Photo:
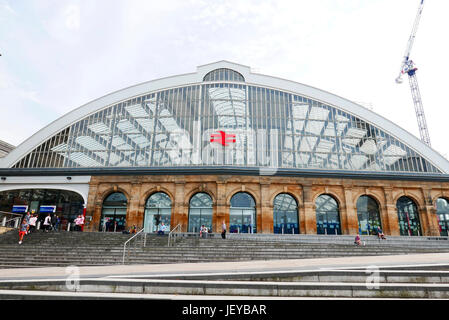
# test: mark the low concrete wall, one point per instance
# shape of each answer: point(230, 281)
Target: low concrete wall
point(5, 229)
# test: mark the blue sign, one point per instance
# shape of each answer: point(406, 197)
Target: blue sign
point(47, 209)
point(19, 208)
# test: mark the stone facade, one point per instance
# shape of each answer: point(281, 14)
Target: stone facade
point(180, 188)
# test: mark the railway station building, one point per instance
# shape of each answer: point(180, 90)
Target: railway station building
point(263, 154)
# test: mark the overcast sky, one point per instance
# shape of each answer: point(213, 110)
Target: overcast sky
point(60, 54)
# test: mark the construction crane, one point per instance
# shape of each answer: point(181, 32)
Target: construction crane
point(408, 67)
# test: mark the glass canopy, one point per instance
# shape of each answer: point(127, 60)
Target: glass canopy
point(225, 122)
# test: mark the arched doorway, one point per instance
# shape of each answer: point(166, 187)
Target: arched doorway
point(200, 212)
point(242, 215)
point(67, 205)
point(285, 214)
point(443, 216)
point(368, 215)
point(113, 214)
point(157, 211)
point(327, 215)
point(409, 224)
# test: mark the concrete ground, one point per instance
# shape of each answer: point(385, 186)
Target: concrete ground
point(227, 267)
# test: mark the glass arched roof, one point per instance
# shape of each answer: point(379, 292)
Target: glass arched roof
point(222, 121)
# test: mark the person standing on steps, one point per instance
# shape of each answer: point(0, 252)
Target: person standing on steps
point(223, 230)
point(33, 220)
point(47, 223)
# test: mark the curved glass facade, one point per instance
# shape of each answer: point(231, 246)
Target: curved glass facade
point(218, 124)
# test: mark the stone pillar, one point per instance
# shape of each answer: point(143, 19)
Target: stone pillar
point(221, 210)
point(95, 225)
point(134, 216)
point(349, 215)
point(266, 214)
point(308, 215)
point(428, 214)
point(90, 207)
point(390, 221)
point(179, 212)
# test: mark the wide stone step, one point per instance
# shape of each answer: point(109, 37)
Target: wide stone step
point(242, 288)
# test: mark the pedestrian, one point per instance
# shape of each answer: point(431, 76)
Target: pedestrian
point(380, 234)
point(33, 220)
point(357, 240)
point(22, 230)
point(57, 223)
point(47, 223)
point(27, 219)
point(80, 223)
point(223, 230)
point(161, 229)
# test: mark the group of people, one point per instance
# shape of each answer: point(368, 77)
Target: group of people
point(204, 231)
point(50, 222)
point(380, 235)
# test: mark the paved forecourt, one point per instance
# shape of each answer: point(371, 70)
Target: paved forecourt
point(393, 261)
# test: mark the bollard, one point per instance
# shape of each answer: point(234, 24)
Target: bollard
point(4, 222)
point(68, 226)
point(16, 224)
point(282, 230)
point(335, 231)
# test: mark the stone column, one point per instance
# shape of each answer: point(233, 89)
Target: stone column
point(134, 216)
point(221, 209)
point(349, 216)
point(179, 214)
point(429, 222)
point(266, 214)
point(308, 215)
point(95, 224)
point(90, 207)
point(390, 214)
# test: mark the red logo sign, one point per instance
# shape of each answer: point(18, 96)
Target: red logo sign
point(222, 138)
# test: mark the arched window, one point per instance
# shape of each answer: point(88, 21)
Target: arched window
point(223, 74)
point(157, 211)
point(285, 214)
point(113, 215)
point(327, 215)
point(409, 224)
point(242, 216)
point(200, 212)
point(368, 215)
point(443, 216)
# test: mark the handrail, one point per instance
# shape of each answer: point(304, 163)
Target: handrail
point(170, 235)
point(126, 242)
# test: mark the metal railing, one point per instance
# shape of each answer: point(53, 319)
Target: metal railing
point(9, 219)
point(172, 235)
point(141, 233)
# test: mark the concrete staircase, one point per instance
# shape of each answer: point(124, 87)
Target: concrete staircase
point(42, 249)
point(383, 283)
